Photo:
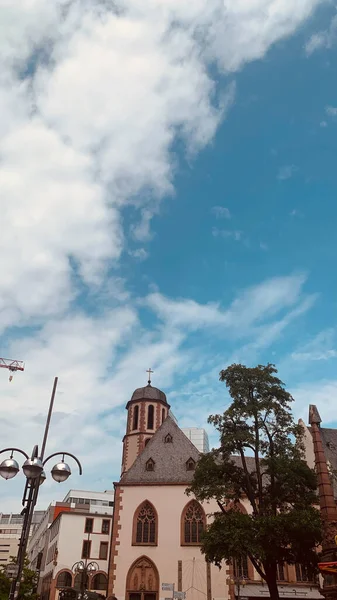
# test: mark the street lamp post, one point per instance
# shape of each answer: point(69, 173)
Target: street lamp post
point(84, 569)
point(33, 469)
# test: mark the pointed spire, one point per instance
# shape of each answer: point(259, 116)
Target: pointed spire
point(314, 416)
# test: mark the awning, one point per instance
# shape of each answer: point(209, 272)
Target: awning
point(285, 591)
point(328, 567)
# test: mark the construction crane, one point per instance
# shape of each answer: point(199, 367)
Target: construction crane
point(12, 366)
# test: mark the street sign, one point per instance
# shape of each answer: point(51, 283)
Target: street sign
point(167, 587)
point(12, 570)
point(179, 595)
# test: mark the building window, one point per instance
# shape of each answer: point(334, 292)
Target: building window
point(280, 572)
point(86, 547)
point(150, 417)
point(64, 580)
point(193, 523)
point(106, 526)
point(162, 415)
point(145, 525)
point(89, 525)
point(168, 439)
point(150, 465)
point(147, 441)
point(81, 580)
point(103, 550)
point(240, 567)
point(135, 418)
point(302, 574)
point(99, 582)
point(190, 464)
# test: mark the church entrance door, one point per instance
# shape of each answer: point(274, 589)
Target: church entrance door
point(142, 582)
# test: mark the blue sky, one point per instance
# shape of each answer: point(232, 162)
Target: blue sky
point(167, 184)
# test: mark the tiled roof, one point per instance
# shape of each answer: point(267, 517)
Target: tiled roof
point(169, 458)
point(148, 393)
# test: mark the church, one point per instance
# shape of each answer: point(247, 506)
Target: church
point(155, 547)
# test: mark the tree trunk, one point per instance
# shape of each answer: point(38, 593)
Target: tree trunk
point(272, 585)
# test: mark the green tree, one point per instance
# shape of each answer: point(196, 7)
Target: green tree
point(282, 525)
point(28, 585)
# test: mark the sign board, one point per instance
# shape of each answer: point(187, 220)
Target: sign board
point(12, 570)
point(179, 595)
point(167, 587)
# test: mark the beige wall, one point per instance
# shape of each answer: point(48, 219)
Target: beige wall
point(309, 447)
point(169, 502)
point(8, 547)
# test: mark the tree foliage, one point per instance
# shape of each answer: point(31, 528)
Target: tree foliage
point(261, 460)
point(28, 584)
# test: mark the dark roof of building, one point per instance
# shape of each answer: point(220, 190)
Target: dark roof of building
point(169, 458)
point(148, 393)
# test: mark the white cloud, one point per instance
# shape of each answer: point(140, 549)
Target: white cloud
point(322, 393)
point(321, 347)
point(227, 233)
point(92, 101)
point(286, 172)
point(253, 305)
point(325, 38)
point(331, 111)
point(323, 124)
point(140, 254)
point(221, 212)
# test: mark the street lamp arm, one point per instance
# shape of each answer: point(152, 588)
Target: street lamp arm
point(14, 450)
point(65, 454)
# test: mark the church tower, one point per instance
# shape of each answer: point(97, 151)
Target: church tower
point(147, 410)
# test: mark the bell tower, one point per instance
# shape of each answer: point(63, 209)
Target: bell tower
point(147, 410)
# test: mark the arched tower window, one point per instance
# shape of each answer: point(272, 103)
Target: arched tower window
point(145, 525)
point(150, 417)
point(135, 417)
point(162, 415)
point(193, 523)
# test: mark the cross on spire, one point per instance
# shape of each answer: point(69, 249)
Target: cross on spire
point(149, 371)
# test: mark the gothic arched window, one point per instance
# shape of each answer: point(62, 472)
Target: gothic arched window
point(240, 567)
point(150, 416)
point(162, 415)
point(145, 525)
point(135, 417)
point(193, 522)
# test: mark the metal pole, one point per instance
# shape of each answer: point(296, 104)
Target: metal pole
point(29, 509)
point(33, 486)
point(51, 405)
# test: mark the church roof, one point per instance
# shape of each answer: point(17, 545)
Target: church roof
point(170, 458)
point(148, 392)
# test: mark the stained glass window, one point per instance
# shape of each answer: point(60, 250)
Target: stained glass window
point(194, 523)
point(146, 525)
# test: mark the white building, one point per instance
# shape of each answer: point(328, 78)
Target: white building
point(10, 533)
point(198, 437)
point(73, 530)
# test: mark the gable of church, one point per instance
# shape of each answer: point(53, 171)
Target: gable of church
point(167, 458)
